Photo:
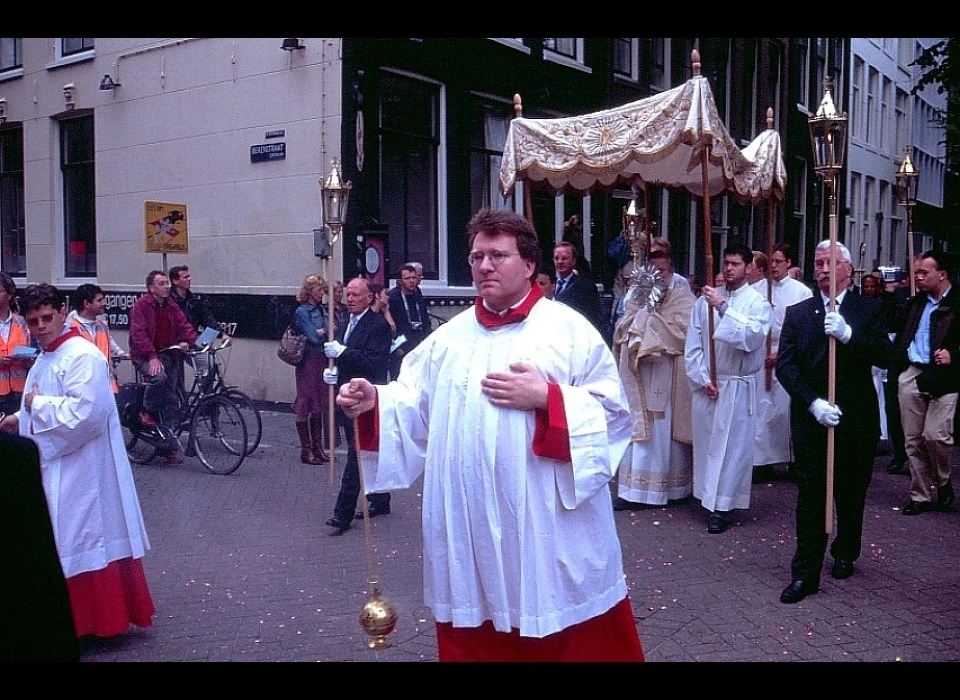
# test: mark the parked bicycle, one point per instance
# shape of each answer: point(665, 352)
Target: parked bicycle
point(215, 426)
point(210, 368)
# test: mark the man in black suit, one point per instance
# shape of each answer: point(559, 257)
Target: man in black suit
point(574, 290)
point(410, 313)
point(802, 368)
point(362, 349)
point(36, 623)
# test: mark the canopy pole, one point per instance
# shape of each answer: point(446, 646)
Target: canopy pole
point(527, 200)
point(771, 219)
point(708, 244)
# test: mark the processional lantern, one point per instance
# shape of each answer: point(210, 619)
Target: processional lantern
point(336, 195)
point(908, 183)
point(828, 136)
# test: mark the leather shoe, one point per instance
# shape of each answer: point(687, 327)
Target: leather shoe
point(797, 591)
point(718, 523)
point(842, 568)
point(918, 507)
point(945, 496)
point(896, 467)
point(621, 504)
point(374, 512)
point(339, 527)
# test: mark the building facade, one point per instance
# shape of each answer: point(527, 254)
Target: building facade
point(236, 136)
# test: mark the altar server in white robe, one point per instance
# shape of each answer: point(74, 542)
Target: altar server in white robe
point(648, 344)
point(68, 409)
point(514, 414)
point(724, 413)
point(772, 446)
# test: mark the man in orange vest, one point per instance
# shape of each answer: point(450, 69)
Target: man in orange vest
point(13, 334)
point(89, 318)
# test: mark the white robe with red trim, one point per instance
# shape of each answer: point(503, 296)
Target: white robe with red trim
point(527, 542)
point(86, 474)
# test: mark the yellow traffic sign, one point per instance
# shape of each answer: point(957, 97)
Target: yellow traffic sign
point(165, 228)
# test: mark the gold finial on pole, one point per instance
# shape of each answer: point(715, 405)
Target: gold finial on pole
point(695, 58)
point(517, 106)
point(769, 117)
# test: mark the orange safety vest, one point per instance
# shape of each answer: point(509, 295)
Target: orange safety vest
point(13, 375)
point(101, 340)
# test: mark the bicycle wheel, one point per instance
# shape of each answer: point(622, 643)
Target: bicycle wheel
point(138, 451)
point(218, 434)
point(251, 416)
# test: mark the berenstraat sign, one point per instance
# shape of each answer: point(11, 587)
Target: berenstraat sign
point(268, 151)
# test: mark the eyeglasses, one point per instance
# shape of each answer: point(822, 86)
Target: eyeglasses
point(496, 258)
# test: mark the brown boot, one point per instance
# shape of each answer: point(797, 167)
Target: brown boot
point(306, 450)
point(316, 432)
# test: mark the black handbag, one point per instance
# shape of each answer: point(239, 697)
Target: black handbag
point(293, 345)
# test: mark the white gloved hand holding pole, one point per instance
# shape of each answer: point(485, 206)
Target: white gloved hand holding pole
point(834, 324)
point(826, 413)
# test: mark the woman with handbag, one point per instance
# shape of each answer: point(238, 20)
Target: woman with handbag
point(311, 404)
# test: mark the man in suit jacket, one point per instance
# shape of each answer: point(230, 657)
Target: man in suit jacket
point(575, 290)
point(802, 368)
point(362, 349)
point(410, 313)
point(36, 623)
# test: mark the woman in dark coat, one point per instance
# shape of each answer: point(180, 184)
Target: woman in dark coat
point(312, 402)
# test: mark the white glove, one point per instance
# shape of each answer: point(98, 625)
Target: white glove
point(334, 348)
point(833, 324)
point(826, 414)
point(330, 375)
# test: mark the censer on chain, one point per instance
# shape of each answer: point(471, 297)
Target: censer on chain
point(378, 617)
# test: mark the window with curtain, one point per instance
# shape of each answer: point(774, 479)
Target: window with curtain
point(625, 59)
point(79, 197)
point(13, 248)
point(488, 138)
point(409, 135)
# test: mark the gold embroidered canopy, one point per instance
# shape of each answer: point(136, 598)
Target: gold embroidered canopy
point(658, 140)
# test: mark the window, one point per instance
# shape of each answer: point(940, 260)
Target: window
point(11, 54)
point(626, 59)
point(904, 52)
point(659, 80)
point(901, 110)
point(69, 47)
point(803, 67)
point(569, 48)
point(410, 135)
point(882, 129)
point(869, 116)
point(856, 113)
point(487, 141)
point(12, 237)
point(79, 197)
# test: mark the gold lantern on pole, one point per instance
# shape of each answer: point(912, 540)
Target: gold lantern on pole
point(908, 183)
point(828, 137)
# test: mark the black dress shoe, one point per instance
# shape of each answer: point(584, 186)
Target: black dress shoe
point(945, 496)
point(797, 591)
point(339, 527)
point(718, 522)
point(374, 512)
point(842, 568)
point(918, 507)
point(620, 504)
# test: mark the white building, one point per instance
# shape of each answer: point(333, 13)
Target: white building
point(885, 119)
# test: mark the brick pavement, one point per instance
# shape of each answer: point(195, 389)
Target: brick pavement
point(242, 570)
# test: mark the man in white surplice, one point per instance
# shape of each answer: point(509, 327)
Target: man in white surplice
point(648, 344)
point(724, 412)
point(514, 414)
point(772, 445)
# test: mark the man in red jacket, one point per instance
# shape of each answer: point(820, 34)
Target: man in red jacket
point(156, 322)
